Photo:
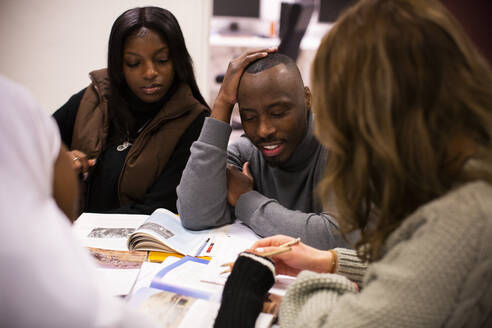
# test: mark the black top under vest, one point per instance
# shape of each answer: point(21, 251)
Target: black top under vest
point(102, 191)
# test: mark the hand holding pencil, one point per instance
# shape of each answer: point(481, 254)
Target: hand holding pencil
point(286, 247)
point(300, 257)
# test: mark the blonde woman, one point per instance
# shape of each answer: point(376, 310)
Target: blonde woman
point(404, 101)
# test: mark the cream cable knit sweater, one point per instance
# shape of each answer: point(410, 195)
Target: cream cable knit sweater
point(436, 272)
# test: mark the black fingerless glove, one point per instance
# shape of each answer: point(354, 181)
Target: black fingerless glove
point(245, 290)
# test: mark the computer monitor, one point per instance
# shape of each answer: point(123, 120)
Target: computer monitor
point(237, 8)
point(294, 20)
point(329, 10)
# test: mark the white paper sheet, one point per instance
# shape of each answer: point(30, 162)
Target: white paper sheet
point(118, 282)
point(231, 240)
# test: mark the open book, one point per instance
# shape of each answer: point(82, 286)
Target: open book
point(162, 231)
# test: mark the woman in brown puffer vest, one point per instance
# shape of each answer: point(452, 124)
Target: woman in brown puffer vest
point(129, 132)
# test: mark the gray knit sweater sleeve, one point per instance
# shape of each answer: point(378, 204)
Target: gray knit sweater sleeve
point(202, 191)
point(436, 272)
point(267, 217)
point(350, 265)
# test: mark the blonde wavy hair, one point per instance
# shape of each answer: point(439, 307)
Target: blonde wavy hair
point(396, 83)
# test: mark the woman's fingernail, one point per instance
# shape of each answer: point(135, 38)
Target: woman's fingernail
point(260, 250)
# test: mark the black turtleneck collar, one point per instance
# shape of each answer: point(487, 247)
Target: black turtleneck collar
point(304, 150)
point(143, 111)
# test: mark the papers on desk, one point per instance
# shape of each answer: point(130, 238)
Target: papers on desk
point(159, 293)
point(117, 282)
point(105, 236)
point(180, 276)
point(173, 295)
point(232, 240)
point(161, 231)
point(117, 269)
point(183, 277)
point(175, 292)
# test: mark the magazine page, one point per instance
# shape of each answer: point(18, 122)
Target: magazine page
point(234, 239)
point(105, 236)
point(117, 282)
point(117, 269)
point(176, 297)
point(230, 240)
point(106, 231)
point(173, 310)
point(172, 294)
point(179, 311)
point(148, 272)
point(183, 277)
point(165, 228)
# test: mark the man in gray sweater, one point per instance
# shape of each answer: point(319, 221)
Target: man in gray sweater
point(267, 179)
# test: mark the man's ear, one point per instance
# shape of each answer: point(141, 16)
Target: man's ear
point(307, 97)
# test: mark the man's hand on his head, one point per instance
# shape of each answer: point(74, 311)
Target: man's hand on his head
point(238, 182)
point(227, 97)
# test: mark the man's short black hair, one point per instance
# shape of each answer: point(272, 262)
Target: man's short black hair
point(270, 61)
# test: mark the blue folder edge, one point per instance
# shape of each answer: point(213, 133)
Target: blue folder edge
point(156, 283)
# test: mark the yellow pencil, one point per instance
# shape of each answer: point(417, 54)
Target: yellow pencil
point(281, 249)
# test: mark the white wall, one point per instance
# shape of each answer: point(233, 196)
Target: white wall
point(50, 46)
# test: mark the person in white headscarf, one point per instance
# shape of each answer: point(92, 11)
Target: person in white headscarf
point(46, 278)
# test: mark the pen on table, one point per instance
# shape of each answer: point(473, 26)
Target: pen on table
point(209, 249)
point(203, 246)
point(280, 249)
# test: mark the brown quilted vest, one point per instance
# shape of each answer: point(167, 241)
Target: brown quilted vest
point(150, 151)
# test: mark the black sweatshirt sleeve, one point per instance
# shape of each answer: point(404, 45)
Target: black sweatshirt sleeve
point(244, 292)
point(65, 117)
point(162, 194)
